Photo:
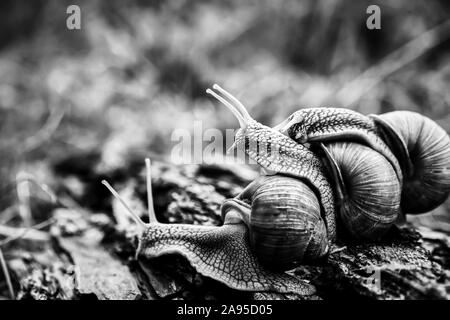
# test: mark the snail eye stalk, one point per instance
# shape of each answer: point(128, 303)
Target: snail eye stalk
point(151, 211)
point(116, 195)
point(235, 106)
point(236, 102)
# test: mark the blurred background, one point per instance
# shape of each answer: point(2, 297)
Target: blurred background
point(138, 70)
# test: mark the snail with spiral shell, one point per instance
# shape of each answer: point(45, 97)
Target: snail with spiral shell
point(335, 171)
point(423, 147)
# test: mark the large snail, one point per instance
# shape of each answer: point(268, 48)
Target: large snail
point(221, 253)
point(290, 217)
point(418, 148)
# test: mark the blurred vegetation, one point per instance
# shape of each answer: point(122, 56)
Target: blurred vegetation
point(138, 70)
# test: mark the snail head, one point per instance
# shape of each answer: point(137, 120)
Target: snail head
point(270, 148)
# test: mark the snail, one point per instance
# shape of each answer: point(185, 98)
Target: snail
point(368, 177)
point(423, 149)
point(222, 253)
point(417, 147)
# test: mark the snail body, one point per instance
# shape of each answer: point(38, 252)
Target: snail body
point(222, 253)
point(423, 148)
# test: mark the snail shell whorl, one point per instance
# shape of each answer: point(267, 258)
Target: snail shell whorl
point(427, 184)
point(286, 226)
point(371, 195)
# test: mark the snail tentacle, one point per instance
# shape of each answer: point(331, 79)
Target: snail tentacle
point(142, 225)
point(150, 207)
point(236, 113)
point(236, 102)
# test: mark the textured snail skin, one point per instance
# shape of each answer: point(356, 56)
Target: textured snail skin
point(336, 124)
point(222, 253)
point(280, 154)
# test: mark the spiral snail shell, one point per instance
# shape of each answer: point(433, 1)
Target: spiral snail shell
point(423, 148)
point(368, 187)
point(286, 227)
